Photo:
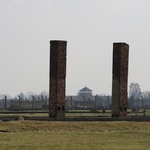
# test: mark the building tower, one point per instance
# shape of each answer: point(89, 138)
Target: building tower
point(57, 78)
point(120, 79)
point(85, 92)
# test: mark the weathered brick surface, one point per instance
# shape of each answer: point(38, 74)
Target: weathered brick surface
point(57, 78)
point(120, 78)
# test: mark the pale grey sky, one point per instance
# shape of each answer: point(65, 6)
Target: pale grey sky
point(90, 28)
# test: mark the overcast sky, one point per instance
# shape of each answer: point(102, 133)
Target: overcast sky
point(90, 28)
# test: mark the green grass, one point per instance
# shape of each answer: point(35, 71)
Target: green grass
point(75, 140)
point(43, 135)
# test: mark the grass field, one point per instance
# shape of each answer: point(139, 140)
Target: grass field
point(44, 135)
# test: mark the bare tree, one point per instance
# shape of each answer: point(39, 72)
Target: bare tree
point(135, 90)
point(22, 96)
point(146, 94)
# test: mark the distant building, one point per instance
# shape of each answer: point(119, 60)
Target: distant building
point(86, 93)
point(86, 100)
point(83, 100)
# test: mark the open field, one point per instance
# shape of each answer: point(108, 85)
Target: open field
point(30, 135)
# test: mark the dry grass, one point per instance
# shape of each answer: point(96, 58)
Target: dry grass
point(44, 135)
point(87, 126)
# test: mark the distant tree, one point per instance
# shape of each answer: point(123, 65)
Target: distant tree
point(135, 91)
point(30, 95)
point(22, 96)
point(146, 94)
point(1, 96)
point(42, 95)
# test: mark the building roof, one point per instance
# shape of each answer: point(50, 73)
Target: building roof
point(85, 89)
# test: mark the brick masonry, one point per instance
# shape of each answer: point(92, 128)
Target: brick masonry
point(57, 78)
point(120, 79)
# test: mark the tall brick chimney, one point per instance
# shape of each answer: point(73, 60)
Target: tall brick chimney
point(120, 79)
point(57, 78)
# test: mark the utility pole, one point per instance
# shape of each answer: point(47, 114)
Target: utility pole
point(5, 102)
point(19, 102)
point(33, 99)
point(46, 102)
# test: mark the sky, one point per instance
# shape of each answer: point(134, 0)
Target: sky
point(90, 28)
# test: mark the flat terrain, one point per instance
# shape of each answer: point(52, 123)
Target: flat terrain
point(57, 135)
